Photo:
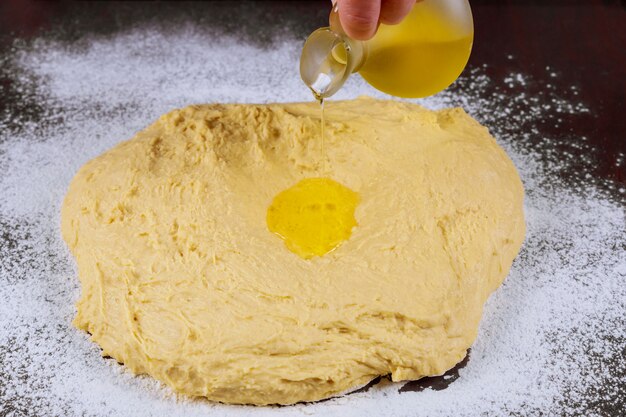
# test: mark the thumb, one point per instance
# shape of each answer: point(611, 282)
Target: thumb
point(359, 18)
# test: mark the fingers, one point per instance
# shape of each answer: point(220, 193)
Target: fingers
point(359, 18)
point(393, 11)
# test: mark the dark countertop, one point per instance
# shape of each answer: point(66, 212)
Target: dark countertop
point(567, 44)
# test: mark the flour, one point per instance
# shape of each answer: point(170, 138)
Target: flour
point(551, 336)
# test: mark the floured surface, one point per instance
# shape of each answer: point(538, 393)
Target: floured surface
point(182, 280)
point(551, 336)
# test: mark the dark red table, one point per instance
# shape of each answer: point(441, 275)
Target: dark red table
point(578, 47)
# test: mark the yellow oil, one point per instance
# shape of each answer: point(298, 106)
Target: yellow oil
point(419, 57)
point(448, 60)
point(314, 216)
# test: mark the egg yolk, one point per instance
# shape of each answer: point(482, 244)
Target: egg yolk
point(314, 216)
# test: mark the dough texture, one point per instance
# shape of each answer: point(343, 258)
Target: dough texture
point(182, 280)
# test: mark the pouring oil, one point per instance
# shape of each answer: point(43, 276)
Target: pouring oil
point(419, 57)
point(323, 133)
point(416, 58)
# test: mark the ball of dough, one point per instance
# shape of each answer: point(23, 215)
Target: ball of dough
point(182, 280)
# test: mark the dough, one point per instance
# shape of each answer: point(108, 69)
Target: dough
point(182, 280)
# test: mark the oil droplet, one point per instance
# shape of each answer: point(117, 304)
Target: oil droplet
point(314, 216)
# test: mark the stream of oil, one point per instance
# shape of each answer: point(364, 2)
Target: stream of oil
point(323, 162)
point(316, 215)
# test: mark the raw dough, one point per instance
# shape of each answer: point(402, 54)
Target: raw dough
point(182, 280)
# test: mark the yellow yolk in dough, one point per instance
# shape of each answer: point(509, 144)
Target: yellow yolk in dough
point(314, 216)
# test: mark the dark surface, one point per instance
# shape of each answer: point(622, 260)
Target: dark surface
point(437, 383)
point(582, 42)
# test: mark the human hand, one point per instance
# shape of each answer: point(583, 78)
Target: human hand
point(360, 18)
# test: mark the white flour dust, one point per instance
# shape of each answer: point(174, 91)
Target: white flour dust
point(552, 336)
